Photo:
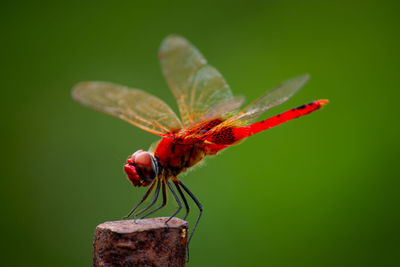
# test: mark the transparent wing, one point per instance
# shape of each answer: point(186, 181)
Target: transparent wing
point(132, 105)
point(197, 87)
point(225, 109)
point(273, 98)
point(270, 99)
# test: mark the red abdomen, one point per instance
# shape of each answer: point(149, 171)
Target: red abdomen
point(286, 116)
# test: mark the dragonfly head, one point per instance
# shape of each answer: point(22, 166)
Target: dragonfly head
point(142, 168)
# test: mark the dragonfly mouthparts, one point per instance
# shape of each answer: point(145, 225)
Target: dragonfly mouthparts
point(132, 174)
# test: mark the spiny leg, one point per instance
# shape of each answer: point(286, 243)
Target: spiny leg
point(153, 201)
point(177, 201)
point(164, 193)
point(198, 205)
point(146, 195)
point(176, 183)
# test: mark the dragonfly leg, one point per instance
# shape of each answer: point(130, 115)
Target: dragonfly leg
point(198, 205)
point(146, 195)
point(176, 183)
point(164, 194)
point(177, 201)
point(156, 193)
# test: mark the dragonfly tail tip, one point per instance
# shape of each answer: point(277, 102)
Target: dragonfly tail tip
point(323, 102)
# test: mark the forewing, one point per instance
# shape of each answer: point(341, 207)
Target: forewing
point(197, 87)
point(132, 105)
point(209, 96)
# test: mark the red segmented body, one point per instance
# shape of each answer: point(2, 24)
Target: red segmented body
point(286, 116)
point(211, 119)
point(179, 153)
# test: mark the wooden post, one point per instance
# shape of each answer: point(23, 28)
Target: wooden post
point(146, 242)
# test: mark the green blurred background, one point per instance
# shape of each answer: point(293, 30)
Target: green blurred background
point(322, 190)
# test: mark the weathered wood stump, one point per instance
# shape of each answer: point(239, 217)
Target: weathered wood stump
point(147, 242)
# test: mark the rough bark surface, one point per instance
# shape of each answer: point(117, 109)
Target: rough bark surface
point(147, 242)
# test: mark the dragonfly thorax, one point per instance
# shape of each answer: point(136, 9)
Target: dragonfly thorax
point(142, 168)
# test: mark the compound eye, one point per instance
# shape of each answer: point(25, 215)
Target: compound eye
point(143, 159)
point(145, 165)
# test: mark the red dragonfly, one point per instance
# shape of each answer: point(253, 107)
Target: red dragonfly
point(211, 119)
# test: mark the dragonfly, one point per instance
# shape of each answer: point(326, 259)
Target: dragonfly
point(211, 120)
